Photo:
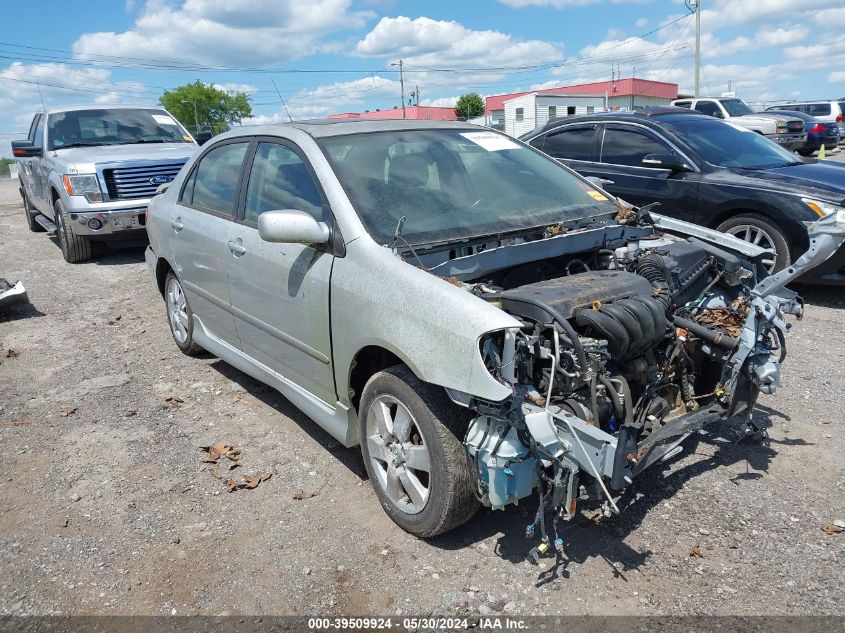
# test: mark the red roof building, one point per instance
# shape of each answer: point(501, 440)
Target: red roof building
point(622, 93)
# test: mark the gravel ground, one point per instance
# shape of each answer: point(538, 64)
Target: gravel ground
point(107, 508)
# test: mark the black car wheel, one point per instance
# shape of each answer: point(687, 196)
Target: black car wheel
point(760, 230)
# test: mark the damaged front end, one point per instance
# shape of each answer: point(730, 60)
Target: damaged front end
point(617, 362)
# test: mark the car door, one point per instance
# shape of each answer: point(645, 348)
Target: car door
point(623, 146)
point(280, 292)
point(199, 227)
point(33, 167)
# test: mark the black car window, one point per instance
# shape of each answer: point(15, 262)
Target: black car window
point(819, 109)
point(573, 143)
point(683, 104)
point(217, 178)
point(708, 107)
point(629, 147)
point(279, 180)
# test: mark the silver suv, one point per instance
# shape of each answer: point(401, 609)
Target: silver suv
point(485, 323)
point(87, 173)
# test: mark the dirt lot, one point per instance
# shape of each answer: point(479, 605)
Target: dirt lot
point(107, 507)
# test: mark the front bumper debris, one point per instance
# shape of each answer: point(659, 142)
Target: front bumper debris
point(12, 294)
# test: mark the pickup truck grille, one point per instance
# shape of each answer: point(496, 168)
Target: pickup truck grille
point(126, 183)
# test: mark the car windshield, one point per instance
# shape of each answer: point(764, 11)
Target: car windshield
point(726, 144)
point(455, 184)
point(113, 126)
point(736, 107)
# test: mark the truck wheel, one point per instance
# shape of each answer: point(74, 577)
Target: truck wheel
point(30, 213)
point(75, 249)
point(760, 230)
point(410, 436)
point(180, 316)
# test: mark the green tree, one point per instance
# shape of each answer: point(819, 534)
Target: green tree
point(214, 107)
point(469, 105)
point(4, 166)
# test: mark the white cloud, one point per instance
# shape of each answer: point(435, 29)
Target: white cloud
point(236, 87)
point(641, 22)
point(836, 77)
point(229, 32)
point(345, 96)
point(733, 13)
point(779, 37)
point(442, 102)
point(445, 44)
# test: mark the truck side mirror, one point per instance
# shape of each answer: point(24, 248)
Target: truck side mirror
point(25, 149)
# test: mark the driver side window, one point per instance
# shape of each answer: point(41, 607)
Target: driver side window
point(279, 179)
point(708, 107)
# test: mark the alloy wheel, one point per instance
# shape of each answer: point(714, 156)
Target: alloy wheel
point(177, 310)
point(399, 454)
point(759, 237)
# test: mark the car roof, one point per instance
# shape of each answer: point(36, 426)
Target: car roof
point(650, 113)
point(323, 128)
point(792, 113)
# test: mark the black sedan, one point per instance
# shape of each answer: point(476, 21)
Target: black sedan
point(706, 171)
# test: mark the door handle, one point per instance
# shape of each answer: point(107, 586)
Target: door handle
point(177, 225)
point(237, 249)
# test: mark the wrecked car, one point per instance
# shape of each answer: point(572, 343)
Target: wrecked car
point(12, 293)
point(486, 324)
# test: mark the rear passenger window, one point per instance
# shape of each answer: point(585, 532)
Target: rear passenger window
point(683, 104)
point(215, 179)
point(571, 143)
point(819, 109)
point(280, 180)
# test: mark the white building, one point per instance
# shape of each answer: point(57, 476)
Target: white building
point(524, 113)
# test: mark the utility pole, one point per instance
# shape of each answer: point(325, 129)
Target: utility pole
point(402, 84)
point(697, 48)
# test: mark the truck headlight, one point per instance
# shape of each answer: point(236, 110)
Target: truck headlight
point(822, 208)
point(87, 186)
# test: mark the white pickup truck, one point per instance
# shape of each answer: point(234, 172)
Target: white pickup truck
point(87, 173)
point(785, 131)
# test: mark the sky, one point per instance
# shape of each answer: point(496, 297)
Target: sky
point(328, 56)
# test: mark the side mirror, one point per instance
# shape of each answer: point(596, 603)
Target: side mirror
point(664, 161)
point(290, 226)
point(202, 137)
point(719, 114)
point(25, 149)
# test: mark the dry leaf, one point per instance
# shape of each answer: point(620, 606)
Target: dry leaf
point(696, 552)
point(831, 528)
point(218, 450)
point(20, 422)
point(66, 412)
point(214, 473)
point(302, 494)
point(234, 465)
point(249, 482)
point(10, 353)
point(237, 399)
point(173, 401)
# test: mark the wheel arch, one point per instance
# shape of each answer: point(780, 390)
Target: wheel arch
point(793, 230)
point(162, 268)
point(368, 361)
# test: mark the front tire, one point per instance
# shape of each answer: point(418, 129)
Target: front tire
point(758, 229)
point(75, 249)
point(180, 317)
point(410, 436)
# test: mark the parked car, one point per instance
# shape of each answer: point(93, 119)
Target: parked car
point(818, 133)
point(706, 171)
point(824, 110)
point(87, 173)
point(481, 320)
point(787, 131)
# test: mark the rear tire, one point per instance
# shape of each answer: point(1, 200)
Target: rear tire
point(760, 230)
point(75, 249)
point(411, 442)
point(180, 317)
point(30, 213)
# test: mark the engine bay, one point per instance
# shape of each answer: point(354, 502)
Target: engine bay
point(631, 339)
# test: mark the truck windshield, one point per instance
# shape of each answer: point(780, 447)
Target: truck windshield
point(726, 144)
point(455, 184)
point(736, 107)
point(113, 126)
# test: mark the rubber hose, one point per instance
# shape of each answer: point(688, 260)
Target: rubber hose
point(716, 337)
point(594, 401)
point(652, 267)
point(618, 408)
